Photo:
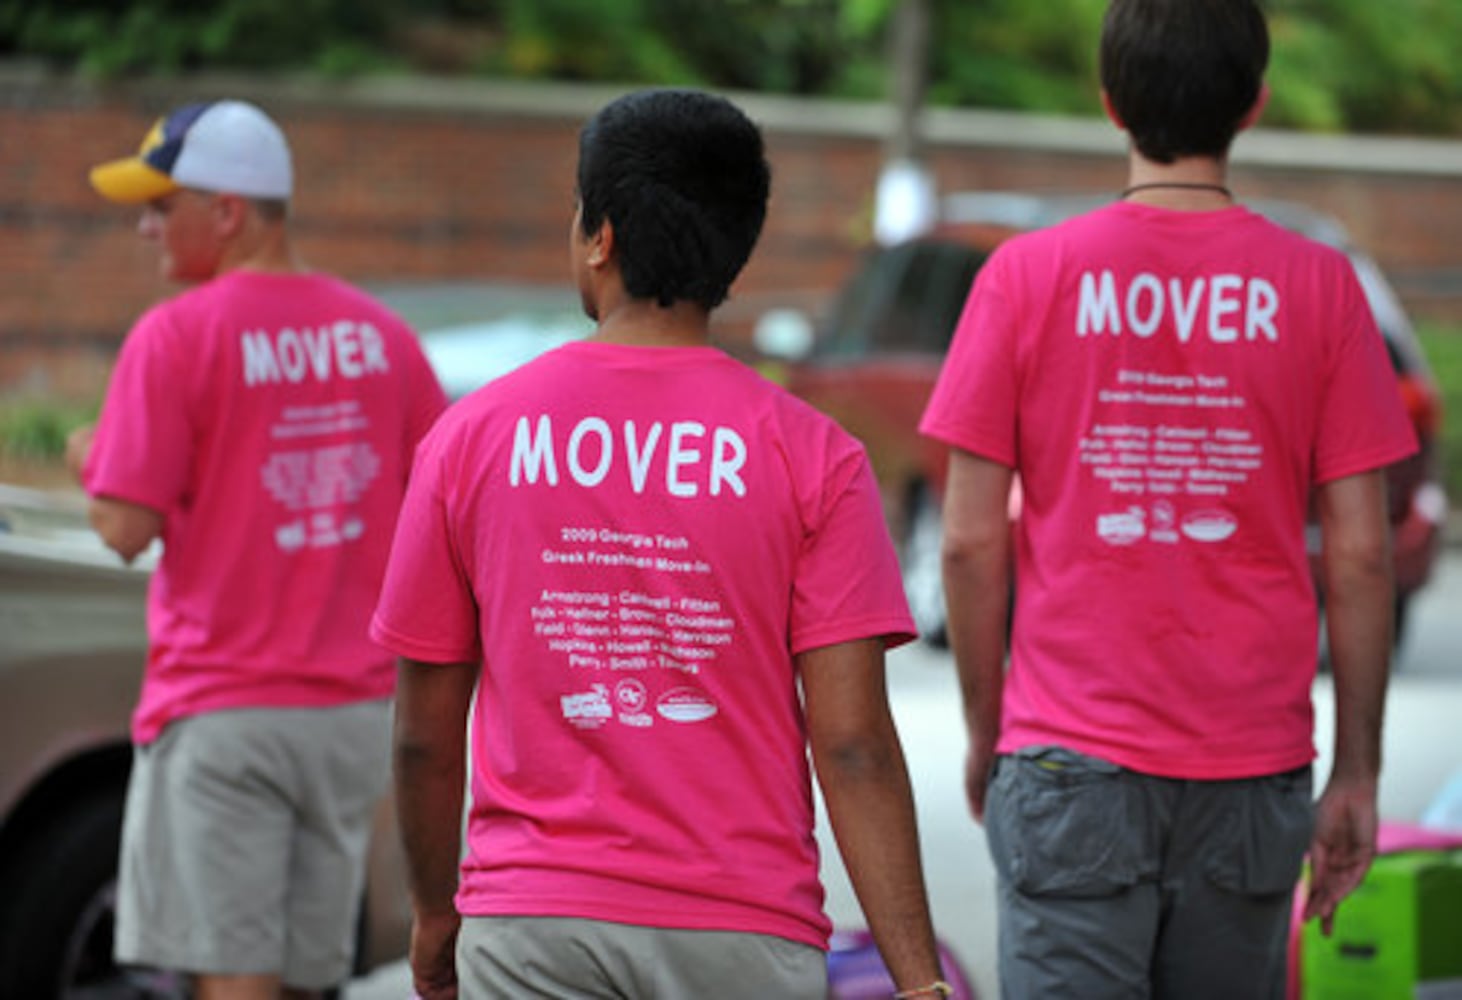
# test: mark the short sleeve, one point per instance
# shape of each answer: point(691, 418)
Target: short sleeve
point(427, 610)
point(974, 403)
point(1363, 423)
point(143, 449)
point(427, 398)
point(848, 584)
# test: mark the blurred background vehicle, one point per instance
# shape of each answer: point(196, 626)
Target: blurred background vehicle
point(473, 332)
point(871, 361)
point(71, 658)
point(72, 647)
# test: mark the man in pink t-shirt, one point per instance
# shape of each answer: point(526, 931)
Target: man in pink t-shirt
point(261, 424)
point(663, 577)
point(1174, 379)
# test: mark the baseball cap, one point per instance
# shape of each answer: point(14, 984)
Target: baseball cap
point(230, 147)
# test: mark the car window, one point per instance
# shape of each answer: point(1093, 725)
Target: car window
point(904, 298)
point(950, 286)
point(862, 308)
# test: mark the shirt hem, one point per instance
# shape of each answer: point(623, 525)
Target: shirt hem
point(679, 919)
point(893, 631)
point(1370, 462)
point(406, 646)
point(1166, 765)
point(954, 438)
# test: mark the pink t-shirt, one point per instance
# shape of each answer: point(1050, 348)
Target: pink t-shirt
point(271, 419)
point(634, 542)
point(1170, 387)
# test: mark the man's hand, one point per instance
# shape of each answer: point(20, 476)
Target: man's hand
point(78, 447)
point(434, 956)
point(1344, 845)
point(978, 762)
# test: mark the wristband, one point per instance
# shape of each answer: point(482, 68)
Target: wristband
point(938, 988)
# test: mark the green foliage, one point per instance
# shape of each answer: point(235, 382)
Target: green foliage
point(583, 40)
point(788, 46)
point(1358, 65)
point(37, 429)
point(102, 38)
point(1018, 55)
point(1369, 67)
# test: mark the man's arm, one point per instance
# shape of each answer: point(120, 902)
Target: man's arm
point(430, 771)
point(977, 592)
point(126, 528)
point(1359, 595)
point(870, 804)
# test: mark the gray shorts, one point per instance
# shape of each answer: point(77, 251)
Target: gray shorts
point(244, 841)
point(563, 958)
point(1119, 884)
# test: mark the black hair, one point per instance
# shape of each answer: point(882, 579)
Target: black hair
point(1182, 74)
point(682, 177)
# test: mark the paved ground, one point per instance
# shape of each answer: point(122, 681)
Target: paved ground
point(1422, 751)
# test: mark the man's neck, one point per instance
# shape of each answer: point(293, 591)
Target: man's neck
point(265, 249)
point(643, 323)
point(1196, 183)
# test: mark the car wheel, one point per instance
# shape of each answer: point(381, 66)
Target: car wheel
point(57, 911)
point(920, 562)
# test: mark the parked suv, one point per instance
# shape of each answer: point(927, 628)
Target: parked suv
point(72, 645)
point(872, 361)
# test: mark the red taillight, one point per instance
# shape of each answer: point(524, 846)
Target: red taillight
point(1423, 405)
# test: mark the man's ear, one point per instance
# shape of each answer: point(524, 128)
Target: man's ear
point(230, 213)
point(1252, 115)
point(601, 245)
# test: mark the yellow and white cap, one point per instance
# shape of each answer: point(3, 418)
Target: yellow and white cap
point(230, 147)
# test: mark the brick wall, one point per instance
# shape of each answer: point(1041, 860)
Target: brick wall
point(442, 181)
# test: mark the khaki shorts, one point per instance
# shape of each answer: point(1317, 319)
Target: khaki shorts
point(244, 841)
point(564, 958)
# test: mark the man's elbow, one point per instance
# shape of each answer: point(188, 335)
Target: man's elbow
point(857, 758)
point(976, 552)
point(128, 540)
point(1359, 570)
point(422, 758)
point(1358, 555)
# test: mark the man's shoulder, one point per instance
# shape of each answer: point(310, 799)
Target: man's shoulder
point(1037, 247)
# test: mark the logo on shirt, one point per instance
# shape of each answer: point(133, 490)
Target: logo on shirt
point(589, 709)
point(1164, 523)
point(684, 704)
point(632, 699)
point(1209, 525)
point(1122, 528)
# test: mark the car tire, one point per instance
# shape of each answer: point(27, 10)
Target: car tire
point(57, 909)
point(920, 561)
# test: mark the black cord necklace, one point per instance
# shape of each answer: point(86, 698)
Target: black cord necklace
point(1179, 184)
